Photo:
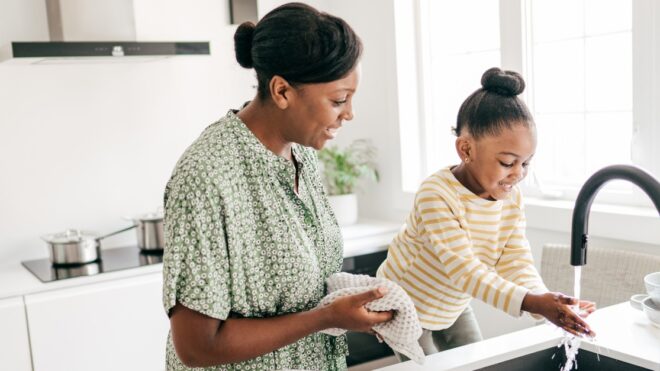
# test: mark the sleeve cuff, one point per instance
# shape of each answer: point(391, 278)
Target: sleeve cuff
point(515, 307)
point(540, 289)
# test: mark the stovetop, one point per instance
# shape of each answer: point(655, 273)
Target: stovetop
point(112, 260)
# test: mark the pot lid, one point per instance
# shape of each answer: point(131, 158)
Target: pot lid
point(69, 236)
point(148, 217)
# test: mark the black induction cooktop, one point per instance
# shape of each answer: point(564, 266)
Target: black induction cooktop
point(112, 260)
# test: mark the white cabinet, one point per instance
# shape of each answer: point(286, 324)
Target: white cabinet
point(14, 343)
point(113, 325)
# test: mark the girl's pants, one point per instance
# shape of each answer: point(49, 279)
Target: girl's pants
point(464, 331)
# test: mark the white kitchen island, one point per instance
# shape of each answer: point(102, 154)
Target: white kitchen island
point(624, 334)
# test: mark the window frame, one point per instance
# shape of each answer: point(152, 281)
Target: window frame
point(514, 22)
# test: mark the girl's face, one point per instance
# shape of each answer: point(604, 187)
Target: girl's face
point(319, 110)
point(497, 162)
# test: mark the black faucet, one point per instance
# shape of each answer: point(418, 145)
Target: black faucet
point(579, 235)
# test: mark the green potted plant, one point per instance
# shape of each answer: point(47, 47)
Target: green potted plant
point(342, 170)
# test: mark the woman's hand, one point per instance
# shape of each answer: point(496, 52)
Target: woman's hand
point(349, 312)
point(556, 308)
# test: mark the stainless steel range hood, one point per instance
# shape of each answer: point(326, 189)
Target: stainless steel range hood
point(96, 28)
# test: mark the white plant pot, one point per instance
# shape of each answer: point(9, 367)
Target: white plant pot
point(345, 208)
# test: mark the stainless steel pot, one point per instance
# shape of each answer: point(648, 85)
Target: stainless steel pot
point(150, 236)
point(74, 246)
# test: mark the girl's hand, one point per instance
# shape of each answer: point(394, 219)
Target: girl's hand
point(556, 308)
point(586, 308)
point(349, 313)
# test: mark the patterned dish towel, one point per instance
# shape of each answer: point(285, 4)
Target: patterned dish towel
point(402, 332)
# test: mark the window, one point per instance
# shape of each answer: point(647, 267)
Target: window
point(589, 70)
point(454, 65)
point(580, 88)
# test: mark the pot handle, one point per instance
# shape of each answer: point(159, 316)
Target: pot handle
point(116, 232)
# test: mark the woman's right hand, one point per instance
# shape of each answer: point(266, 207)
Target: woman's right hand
point(556, 308)
point(349, 312)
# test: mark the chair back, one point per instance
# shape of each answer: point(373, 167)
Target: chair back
point(610, 276)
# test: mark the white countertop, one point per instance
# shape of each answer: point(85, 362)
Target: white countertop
point(16, 280)
point(367, 236)
point(623, 333)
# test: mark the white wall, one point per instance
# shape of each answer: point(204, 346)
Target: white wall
point(375, 105)
point(83, 144)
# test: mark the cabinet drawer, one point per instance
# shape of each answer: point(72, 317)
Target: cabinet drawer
point(114, 325)
point(14, 343)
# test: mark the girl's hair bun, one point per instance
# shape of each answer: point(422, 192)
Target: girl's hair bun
point(507, 83)
point(243, 43)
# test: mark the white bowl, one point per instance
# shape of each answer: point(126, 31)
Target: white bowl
point(636, 301)
point(652, 282)
point(652, 311)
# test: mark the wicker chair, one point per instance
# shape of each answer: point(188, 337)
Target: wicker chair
point(611, 276)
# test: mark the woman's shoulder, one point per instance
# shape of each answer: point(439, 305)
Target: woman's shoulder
point(226, 131)
point(215, 153)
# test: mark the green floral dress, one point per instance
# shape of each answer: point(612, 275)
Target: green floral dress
point(241, 243)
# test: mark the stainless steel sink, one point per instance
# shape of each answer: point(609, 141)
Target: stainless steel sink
point(543, 360)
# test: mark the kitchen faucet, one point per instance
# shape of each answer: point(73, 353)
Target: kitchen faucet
point(579, 236)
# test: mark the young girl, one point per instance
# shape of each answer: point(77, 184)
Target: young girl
point(465, 236)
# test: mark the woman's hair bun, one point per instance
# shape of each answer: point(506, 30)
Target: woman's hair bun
point(507, 83)
point(243, 44)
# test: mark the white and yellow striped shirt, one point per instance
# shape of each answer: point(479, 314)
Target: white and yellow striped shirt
point(457, 245)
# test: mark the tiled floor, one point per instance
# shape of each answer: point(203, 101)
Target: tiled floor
point(368, 366)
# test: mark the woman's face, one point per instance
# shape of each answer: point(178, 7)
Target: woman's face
point(498, 162)
point(319, 110)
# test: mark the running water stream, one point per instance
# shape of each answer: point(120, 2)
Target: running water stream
point(571, 343)
point(576, 286)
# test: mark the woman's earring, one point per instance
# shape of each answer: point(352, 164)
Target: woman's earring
point(467, 160)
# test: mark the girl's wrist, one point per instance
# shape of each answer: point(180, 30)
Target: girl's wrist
point(529, 303)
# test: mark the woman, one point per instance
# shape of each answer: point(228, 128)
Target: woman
point(250, 237)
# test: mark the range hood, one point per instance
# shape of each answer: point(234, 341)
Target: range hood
point(85, 29)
